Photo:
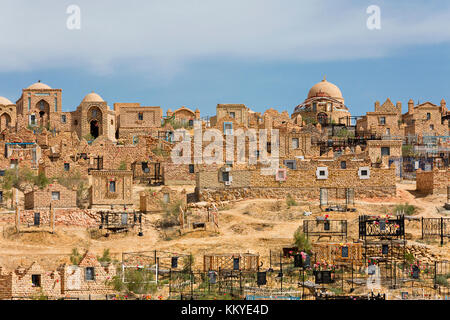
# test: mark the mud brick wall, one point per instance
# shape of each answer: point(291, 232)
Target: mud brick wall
point(153, 201)
point(100, 194)
point(5, 285)
point(41, 199)
point(341, 178)
point(432, 182)
point(63, 217)
point(417, 123)
point(178, 174)
point(21, 282)
point(76, 284)
point(374, 148)
point(301, 184)
point(305, 194)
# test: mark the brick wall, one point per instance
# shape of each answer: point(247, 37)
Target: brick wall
point(100, 194)
point(301, 183)
point(153, 201)
point(63, 217)
point(433, 182)
point(40, 199)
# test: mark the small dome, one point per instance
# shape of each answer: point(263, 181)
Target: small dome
point(325, 88)
point(92, 97)
point(39, 85)
point(5, 101)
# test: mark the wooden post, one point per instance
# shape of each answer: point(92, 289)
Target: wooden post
point(442, 231)
point(52, 218)
point(17, 219)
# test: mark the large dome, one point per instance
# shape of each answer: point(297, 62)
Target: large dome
point(39, 85)
point(4, 101)
point(325, 88)
point(93, 97)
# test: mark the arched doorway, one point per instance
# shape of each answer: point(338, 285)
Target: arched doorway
point(5, 121)
point(94, 128)
point(95, 120)
point(43, 109)
point(322, 118)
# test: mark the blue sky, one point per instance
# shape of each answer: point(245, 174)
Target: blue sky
point(198, 53)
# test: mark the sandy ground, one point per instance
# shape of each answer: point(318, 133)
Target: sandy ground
point(256, 226)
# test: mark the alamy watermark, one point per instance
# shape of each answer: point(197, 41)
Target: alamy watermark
point(374, 20)
point(73, 21)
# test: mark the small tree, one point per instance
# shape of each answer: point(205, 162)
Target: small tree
point(105, 258)
point(137, 281)
point(23, 179)
point(75, 257)
point(41, 180)
point(188, 263)
point(171, 212)
point(75, 180)
point(345, 133)
point(408, 151)
point(301, 241)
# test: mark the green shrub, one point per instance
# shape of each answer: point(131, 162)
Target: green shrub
point(441, 280)
point(137, 281)
point(301, 241)
point(290, 201)
point(406, 208)
point(75, 257)
point(106, 258)
point(89, 137)
point(408, 151)
point(409, 258)
point(344, 133)
point(22, 179)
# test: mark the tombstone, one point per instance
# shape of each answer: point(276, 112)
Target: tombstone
point(371, 270)
point(261, 278)
point(322, 277)
point(298, 261)
point(345, 252)
point(415, 272)
point(124, 218)
point(174, 262)
point(382, 225)
point(385, 249)
point(326, 225)
point(307, 261)
point(236, 264)
point(212, 277)
point(37, 218)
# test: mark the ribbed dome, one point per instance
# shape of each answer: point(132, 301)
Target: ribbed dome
point(93, 97)
point(5, 101)
point(325, 88)
point(39, 85)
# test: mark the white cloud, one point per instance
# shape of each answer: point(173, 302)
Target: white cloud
point(162, 35)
